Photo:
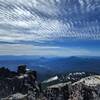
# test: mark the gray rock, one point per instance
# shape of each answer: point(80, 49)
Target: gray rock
point(17, 96)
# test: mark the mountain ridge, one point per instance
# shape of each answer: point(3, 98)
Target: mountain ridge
point(49, 66)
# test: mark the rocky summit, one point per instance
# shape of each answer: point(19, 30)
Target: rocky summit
point(24, 85)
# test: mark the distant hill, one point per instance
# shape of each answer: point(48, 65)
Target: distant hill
point(49, 66)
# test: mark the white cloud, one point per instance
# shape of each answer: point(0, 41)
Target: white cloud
point(22, 49)
point(41, 20)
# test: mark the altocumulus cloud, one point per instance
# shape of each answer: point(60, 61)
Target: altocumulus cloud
point(25, 21)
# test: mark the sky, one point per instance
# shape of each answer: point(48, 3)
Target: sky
point(50, 27)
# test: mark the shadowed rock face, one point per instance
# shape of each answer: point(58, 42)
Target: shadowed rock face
point(22, 82)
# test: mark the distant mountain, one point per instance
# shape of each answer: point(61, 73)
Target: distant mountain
point(50, 66)
point(87, 64)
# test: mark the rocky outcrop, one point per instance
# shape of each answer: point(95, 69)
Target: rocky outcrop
point(85, 89)
point(21, 84)
point(17, 96)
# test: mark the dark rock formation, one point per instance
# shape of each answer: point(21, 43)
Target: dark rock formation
point(24, 82)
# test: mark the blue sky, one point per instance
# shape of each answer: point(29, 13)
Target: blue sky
point(50, 27)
